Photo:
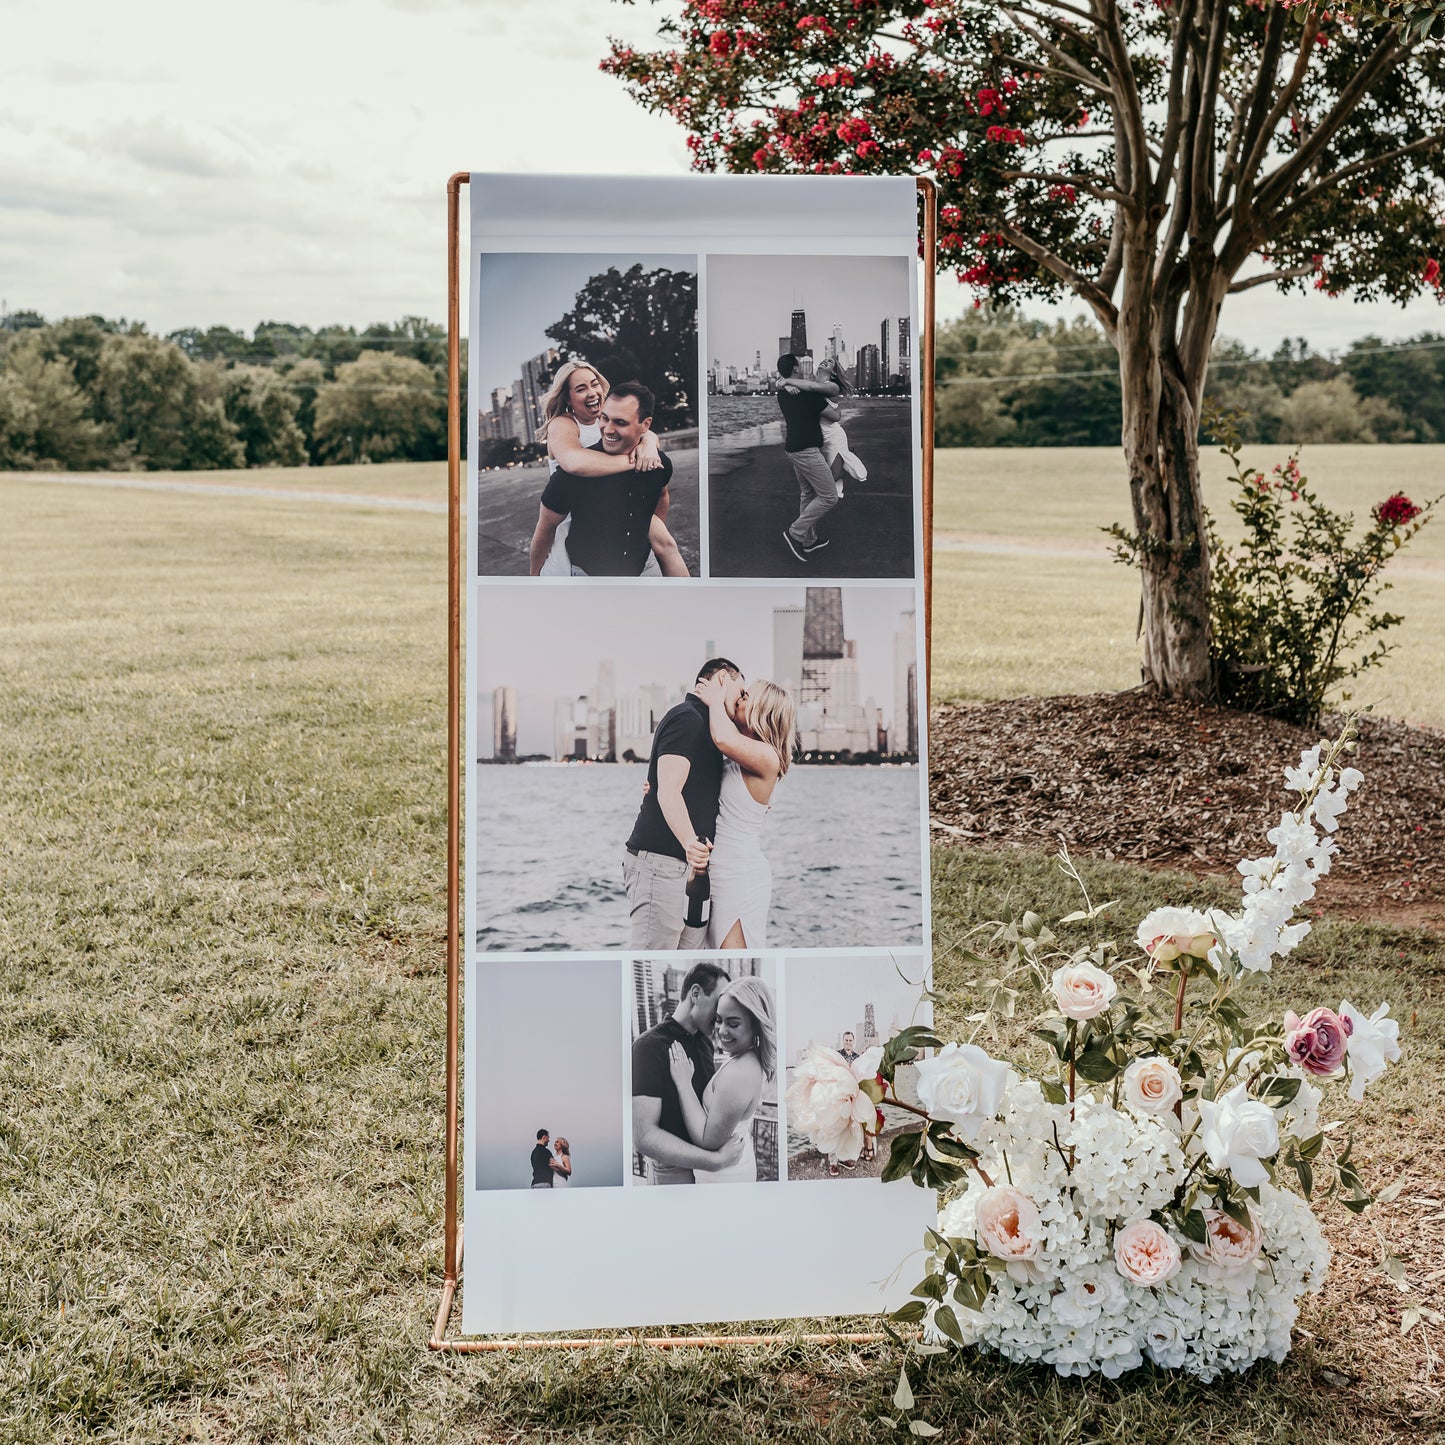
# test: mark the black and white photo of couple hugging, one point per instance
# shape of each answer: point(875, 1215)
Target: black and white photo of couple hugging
point(734, 771)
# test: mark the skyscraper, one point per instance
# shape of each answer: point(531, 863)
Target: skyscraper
point(536, 378)
point(868, 369)
point(905, 351)
point(788, 648)
point(785, 345)
point(823, 623)
point(884, 372)
point(799, 340)
point(831, 716)
point(905, 646)
point(504, 723)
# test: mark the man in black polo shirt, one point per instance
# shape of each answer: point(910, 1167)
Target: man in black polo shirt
point(802, 401)
point(659, 1132)
point(612, 516)
point(542, 1162)
point(674, 828)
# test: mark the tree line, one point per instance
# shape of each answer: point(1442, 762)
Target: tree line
point(88, 392)
point(1005, 380)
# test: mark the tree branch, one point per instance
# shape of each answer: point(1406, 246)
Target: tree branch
point(1357, 168)
point(1289, 273)
point(1082, 287)
point(1059, 178)
point(1263, 123)
point(1178, 70)
point(1128, 106)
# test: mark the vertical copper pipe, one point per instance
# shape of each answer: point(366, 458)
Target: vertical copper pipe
point(454, 711)
point(929, 192)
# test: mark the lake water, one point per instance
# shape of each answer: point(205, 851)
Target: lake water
point(844, 844)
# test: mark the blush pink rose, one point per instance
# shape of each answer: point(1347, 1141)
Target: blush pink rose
point(1318, 1041)
point(1008, 1224)
point(1230, 1243)
point(1082, 990)
point(1145, 1254)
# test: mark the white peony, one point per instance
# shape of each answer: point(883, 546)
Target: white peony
point(962, 1084)
point(1374, 1043)
point(1237, 1132)
point(826, 1103)
point(1082, 990)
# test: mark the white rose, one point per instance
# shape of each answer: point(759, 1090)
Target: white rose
point(1082, 990)
point(1145, 1254)
point(826, 1104)
point(1374, 1042)
point(962, 1084)
point(1152, 1085)
point(1237, 1132)
point(1008, 1224)
point(1166, 933)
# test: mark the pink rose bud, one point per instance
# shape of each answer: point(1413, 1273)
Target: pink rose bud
point(1316, 1043)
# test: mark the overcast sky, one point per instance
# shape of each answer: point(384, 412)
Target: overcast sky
point(549, 1043)
point(192, 165)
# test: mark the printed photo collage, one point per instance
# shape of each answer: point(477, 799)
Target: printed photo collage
point(697, 815)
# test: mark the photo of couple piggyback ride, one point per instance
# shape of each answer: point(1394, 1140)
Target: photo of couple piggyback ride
point(704, 1076)
point(603, 511)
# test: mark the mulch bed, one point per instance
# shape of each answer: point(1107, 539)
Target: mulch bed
point(1136, 778)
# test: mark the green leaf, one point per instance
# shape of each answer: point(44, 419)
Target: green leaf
point(1395, 1268)
point(1096, 1065)
point(1279, 1090)
point(1193, 1225)
point(1305, 1170)
point(923, 1429)
point(931, 1286)
point(903, 1395)
point(1054, 1093)
point(902, 1156)
point(947, 1323)
point(911, 1313)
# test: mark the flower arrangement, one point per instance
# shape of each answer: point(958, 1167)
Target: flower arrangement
point(1144, 1194)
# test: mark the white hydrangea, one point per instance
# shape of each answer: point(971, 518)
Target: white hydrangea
point(1070, 1307)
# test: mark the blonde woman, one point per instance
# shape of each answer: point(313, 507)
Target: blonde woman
point(753, 728)
point(836, 451)
point(746, 1032)
point(571, 427)
point(561, 1163)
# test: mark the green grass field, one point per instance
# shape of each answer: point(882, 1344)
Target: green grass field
point(1019, 547)
point(221, 922)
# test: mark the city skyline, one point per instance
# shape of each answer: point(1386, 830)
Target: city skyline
point(824, 997)
point(551, 664)
point(752, 300)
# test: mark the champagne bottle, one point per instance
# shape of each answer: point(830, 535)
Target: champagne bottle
point(699, 899)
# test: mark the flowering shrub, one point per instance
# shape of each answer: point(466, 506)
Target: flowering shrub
point(1294, 602)
point(1143, 1193)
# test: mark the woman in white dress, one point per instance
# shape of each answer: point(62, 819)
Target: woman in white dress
point(754, 730)
point(746, 1032)
point(561, 1163)
point(846, 465)
point(570, 427)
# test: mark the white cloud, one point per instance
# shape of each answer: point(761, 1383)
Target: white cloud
point(197, 165)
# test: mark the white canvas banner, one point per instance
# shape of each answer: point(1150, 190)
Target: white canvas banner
point(696, 727)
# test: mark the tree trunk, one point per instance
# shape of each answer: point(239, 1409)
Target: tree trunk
point(1161, 447)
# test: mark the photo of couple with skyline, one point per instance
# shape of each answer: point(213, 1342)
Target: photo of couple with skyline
point(589, 390)
point(764, 738)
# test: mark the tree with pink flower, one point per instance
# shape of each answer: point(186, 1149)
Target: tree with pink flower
point(1152, 159)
